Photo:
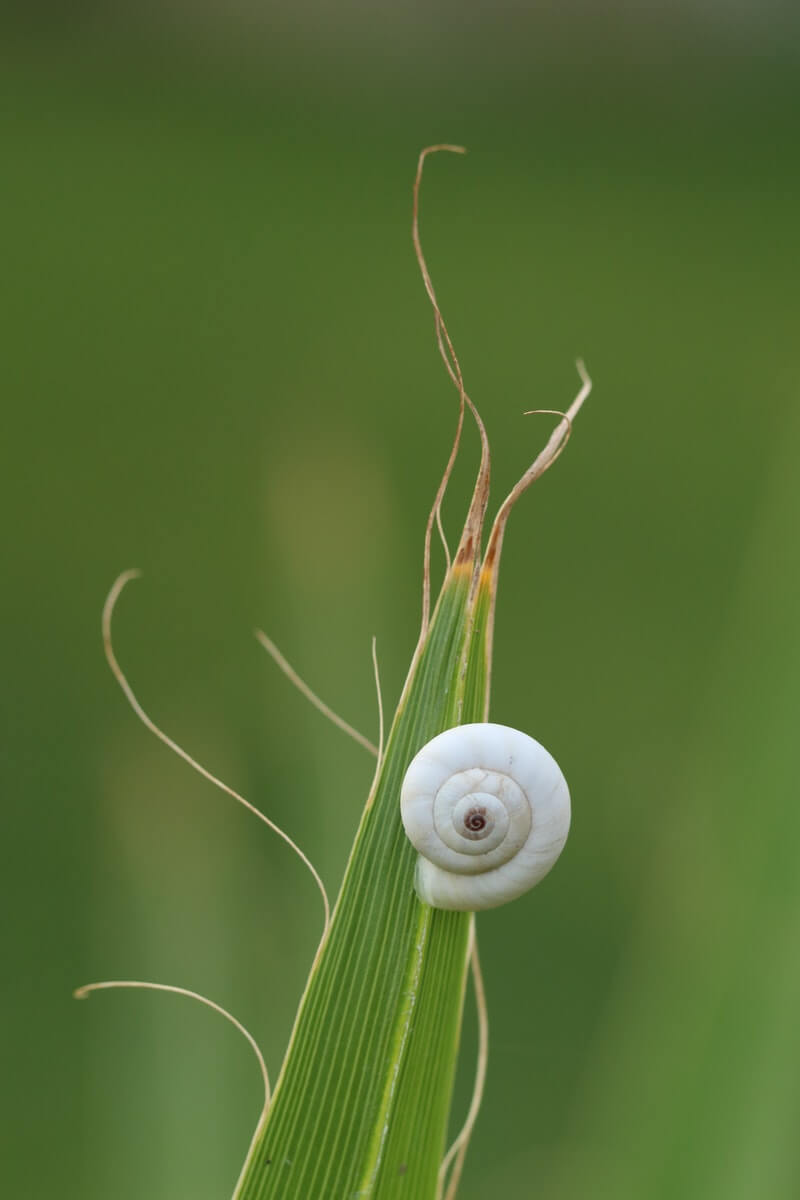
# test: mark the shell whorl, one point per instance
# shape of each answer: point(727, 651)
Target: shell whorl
point(488, 809)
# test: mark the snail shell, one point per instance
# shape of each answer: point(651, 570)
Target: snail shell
point(488, 810)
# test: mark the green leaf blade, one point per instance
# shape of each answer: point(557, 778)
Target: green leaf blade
point(414, 1145)
point(362, 1103)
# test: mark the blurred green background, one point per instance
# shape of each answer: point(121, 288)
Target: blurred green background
point(218, 365)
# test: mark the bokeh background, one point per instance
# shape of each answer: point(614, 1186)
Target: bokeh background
point(218, 365)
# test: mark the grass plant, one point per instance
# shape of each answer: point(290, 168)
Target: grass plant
point(362, 1103)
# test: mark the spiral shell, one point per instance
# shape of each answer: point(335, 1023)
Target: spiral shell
point(488, 810)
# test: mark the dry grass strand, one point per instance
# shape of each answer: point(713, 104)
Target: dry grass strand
point(547, 456)
point(82, 993)
point(119, 675)
point(458, 1151)
point(312, 696)
point(450, 359)
point(379, 698)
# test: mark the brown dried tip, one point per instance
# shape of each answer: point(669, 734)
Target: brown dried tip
point(468, 551)
point(543, 461)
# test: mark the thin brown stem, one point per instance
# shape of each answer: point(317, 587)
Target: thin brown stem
point(543, 461)
point(471, 534)
point(310, 695)
point(82, 993)
point(458, 1150)
point(117, 672)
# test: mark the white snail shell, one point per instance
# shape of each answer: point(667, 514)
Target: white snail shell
point(488, 810)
